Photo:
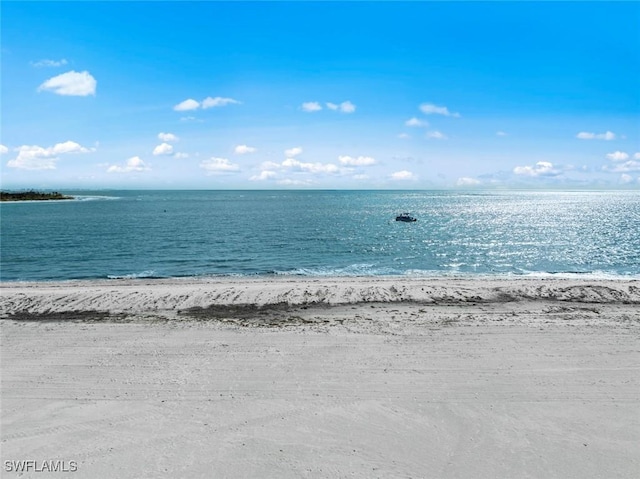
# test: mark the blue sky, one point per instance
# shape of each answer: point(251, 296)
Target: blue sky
point(320, 95)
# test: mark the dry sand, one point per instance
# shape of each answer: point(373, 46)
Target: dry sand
point(362, 377)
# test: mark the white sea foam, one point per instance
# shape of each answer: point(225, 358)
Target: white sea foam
point(143, 274)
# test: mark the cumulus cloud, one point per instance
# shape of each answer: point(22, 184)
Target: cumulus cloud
point(431, 109)
point(436, 135)
point(244, 149)
point(270, 165)
point(187, 105)
point(263, 176)
point(626, 179)
point(71, 84)
point(541, 168)
point(181, 156)
point(416, 122)
point(36, 157)
point(291, 152)
point(163, 149)
point(3, 149)
point(293, 164)
point(344, 107)
point(49, 63)
point(347, 107)
point(133, 164)
point(167, 137)
point(467, 181)
point(292, 182)
point(357, 161)
point(626, 167)
point(636, 156)
point(69, 147)
point(217, 102)
point(608, 135)
point(402, 175)
point(216, 166)
point(311, 106)
point(617, 156)
point(209, 102)
point(33, 158)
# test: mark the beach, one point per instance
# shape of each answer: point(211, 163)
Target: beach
point(322, 377)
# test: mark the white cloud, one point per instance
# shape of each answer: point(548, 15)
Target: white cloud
point(270, 165)
point(436, 135)
point(214, 166)
point(167, 137)
point(416, 122)
point(209, 102)
point(359, 161)
point(583, 135)
point(291, 152)
point(3, 149)
point(360, 177)
point(263, 176)
point(500, 133)
point(217, 101)
point(402, 175)
point(344, 107)
point(244, 149)
point(617, 156)
point(541, 168)
point(626, 167)
point(625, 179)
point(636, 156)
point(33, 158)
point(163, 149)
point(311, 106)
point(291, 182)
point(68, 147)
point(133, 164)
point(467, 181)
point(347, 107)
point(431, 109)
point(404, 136)
point(187, 105)
point(292, 163)
point(181, 156)
point(71, 84)
point(49, 63)
point(38, 158)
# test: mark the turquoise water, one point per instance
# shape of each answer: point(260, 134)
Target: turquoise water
point(119, 234)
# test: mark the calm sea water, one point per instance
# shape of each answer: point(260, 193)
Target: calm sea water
point(119, 234)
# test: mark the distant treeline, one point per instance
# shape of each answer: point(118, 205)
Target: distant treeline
point(32, 195)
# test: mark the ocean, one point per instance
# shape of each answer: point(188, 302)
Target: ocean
point(162, 234)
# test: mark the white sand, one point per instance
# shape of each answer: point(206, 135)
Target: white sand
point(362, 377)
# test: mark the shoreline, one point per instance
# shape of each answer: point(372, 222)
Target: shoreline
point(275, 276)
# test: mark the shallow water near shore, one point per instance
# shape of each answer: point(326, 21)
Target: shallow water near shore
point(137, 234)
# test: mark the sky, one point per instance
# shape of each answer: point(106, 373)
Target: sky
point(345, 95)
